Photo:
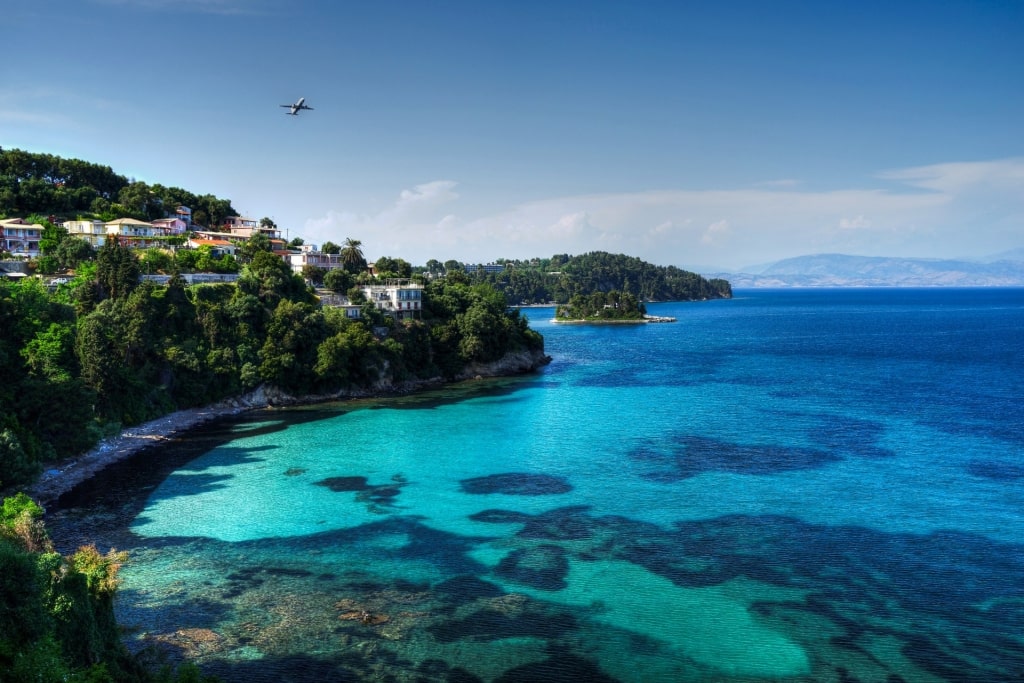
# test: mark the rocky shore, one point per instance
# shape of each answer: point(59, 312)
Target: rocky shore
point(59, 478)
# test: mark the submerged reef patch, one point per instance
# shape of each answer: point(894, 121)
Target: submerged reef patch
point(993, 469)
point(517, 484)
point(689, 456)
point(340, 484)
point(377, 496)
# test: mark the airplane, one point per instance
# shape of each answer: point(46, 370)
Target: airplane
point(297, 107)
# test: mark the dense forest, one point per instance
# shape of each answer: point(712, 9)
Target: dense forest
point(563, 277)
point(106, 350)
point(601, 306)
point(48, 185)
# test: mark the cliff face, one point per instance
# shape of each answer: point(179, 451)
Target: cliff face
point(515, 363)
point(512, 364)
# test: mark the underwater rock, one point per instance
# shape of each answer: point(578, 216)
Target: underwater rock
point(365, 618)
point(193, 641)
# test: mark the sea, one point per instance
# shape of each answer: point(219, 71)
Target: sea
point(791, 485)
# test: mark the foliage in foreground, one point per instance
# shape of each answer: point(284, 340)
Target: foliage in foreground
point(57, 613)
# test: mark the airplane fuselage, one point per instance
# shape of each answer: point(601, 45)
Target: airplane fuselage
point(297, 107)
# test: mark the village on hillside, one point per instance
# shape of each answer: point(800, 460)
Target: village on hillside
point(400, 297)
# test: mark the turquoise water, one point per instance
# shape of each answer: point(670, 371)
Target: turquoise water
point(792, 485)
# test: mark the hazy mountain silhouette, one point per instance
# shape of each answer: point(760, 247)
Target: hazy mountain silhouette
point(840, 270)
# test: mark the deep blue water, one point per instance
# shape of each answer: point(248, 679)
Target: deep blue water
point(806, 485)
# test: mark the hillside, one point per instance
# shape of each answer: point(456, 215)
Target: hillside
point(47, 185)
point(563, 277)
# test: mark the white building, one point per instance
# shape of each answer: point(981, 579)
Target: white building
point(400, 298)
point(309, 256)
point(20, 238)
point(136, 234)
point(94, 232)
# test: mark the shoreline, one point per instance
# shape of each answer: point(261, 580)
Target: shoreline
point(61, 477)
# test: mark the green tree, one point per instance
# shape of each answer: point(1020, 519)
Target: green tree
point(352, 256)
point(386, 266)
point(257, 243)
point(330, 248)
point(117, 269)
point(350, 357)
point(52, 235)
point(314, 274)
point(156, 260)
point(73, 251)
point(289, 353)
point(338, 280)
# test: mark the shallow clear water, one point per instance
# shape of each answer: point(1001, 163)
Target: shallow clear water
point(792, 485)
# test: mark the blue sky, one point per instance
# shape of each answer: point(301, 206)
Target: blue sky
point(698, 134)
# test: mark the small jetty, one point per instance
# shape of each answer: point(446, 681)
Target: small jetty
point(658, 319)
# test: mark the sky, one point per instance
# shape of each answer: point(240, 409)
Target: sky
point(713, 136)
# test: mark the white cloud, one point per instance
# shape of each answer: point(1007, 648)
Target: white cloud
point(428, 194)
point(1006, 174)
point(732, 228)
point(781, 183)
point(854, 223)
point(571, 225)
point(715, 232)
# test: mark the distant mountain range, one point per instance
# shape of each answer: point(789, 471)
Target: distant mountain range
point(840, 270)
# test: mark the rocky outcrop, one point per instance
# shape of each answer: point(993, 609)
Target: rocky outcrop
point(517, 363)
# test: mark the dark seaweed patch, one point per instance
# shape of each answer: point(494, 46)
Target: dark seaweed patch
point(851, 436)
point(562, 524)
point(341, 484)
point(517, 484)
point(690, 456)
point(999, 471)
point(500, 517)
point(285, 571)
point(490, 624)
point(543, 566)
point(376, 496)
point(439, 670)
point(468, 587)
point(561, 667)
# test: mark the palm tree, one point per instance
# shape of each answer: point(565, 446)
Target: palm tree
point(352, 256)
